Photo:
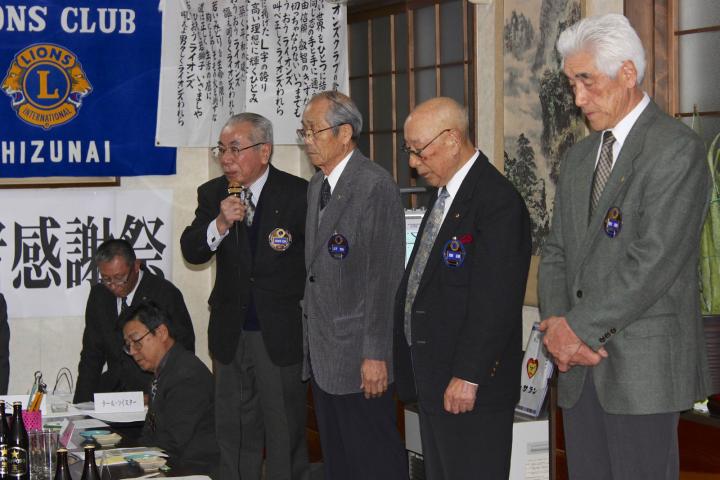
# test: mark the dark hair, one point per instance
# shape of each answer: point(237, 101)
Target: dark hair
point(115, 247)
point(151, 315)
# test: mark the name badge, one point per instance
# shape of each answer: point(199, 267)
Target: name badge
point(280, 239)
point(612, 224)
point(338, 246)
point(453, 253)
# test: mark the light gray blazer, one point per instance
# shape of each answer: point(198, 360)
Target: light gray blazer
point(348, 303)
point(635, 294)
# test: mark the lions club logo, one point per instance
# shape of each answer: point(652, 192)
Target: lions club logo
point(46, 84)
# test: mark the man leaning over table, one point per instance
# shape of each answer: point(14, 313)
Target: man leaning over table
point(180, 417)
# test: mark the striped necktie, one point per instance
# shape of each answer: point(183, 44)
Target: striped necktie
point(602, 170)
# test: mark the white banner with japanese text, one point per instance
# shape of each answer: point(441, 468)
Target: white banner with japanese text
point(223, 57)
point(48, 238)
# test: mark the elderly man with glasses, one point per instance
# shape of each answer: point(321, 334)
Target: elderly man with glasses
point(252, 219)
point(458, 313)
point(180, 408)
point(123, 283)
point(354, 257)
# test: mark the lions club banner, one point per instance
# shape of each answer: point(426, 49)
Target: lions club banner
point(79, 88)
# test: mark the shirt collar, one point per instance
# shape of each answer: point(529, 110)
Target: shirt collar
point(622, 129)
point(453, 185)
point(131, 295)
point(257, 186)
point(337, 171)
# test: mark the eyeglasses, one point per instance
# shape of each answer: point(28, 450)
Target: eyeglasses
point(234, 150)
point(418, 153)
point(115, 282)
point(309, 134)
point(128, 347)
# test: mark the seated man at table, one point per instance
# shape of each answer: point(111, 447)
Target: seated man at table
point(180, 417)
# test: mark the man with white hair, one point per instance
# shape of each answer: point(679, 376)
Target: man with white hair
point(618, 276)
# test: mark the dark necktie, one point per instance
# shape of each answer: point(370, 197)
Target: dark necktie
point(325, 194)
point(432, 227)
point(123, 306)
point(249, 208)
point(602, 170)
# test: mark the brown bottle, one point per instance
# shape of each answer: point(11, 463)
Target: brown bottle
point(90, 470)
point(4, 440)
point(18, 464)
point(62, 472)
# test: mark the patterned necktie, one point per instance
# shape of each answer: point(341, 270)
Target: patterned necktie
point(249, 208)
point(602, 170)
point(325, 194)
point(432, 227)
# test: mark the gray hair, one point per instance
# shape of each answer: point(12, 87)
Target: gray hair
point(262, 131)
point(609, 38)
point(342, 111)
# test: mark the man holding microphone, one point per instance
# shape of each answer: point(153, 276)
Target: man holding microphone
point(253, 219)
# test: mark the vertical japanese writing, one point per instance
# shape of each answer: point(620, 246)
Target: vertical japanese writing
point(253, 58)
point(336, 45)
point(180, 78)
point(266, 56)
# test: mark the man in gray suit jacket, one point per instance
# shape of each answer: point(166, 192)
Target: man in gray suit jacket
point(354, 257)
point(618, 277)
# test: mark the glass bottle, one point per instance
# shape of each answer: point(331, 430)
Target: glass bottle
point(18, 464)
point(4, 439)
point(90, 470)
point(62, 472)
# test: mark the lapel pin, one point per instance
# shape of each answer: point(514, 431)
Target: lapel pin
point(612, 223)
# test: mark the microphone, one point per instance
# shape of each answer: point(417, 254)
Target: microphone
point(236, 190)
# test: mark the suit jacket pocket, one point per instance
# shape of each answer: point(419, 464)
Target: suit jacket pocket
point(655, 326)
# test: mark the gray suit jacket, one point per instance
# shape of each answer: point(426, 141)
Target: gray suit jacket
point(348, 304)
point(635, 294)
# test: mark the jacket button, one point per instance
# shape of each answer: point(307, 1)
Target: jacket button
point(602, 339)
point(579, 294)
point(252, 279)
point(312, 278)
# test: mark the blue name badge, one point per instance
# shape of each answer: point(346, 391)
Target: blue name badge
point(612, 224)
point(453, 253)
point(338, 246)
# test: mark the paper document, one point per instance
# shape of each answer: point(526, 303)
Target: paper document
point(116, 456)
point(89, 423)
point(119, 417)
